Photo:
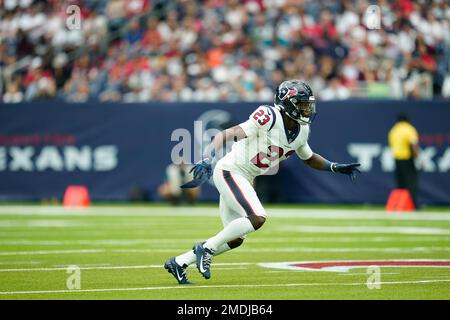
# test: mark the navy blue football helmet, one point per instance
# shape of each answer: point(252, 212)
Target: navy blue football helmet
point(297, 100)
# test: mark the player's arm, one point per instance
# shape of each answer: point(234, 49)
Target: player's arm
point(414, 138)
point(261, 119)
point(415, 150)
point(203, 170)
point(235, 134)
point(318, 162)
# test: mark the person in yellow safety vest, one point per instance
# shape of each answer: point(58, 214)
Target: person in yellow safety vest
point(404, 144)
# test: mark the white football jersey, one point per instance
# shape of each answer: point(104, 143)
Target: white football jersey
point(266, 145)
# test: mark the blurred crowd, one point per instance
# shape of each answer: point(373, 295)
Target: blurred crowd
point(222, 50)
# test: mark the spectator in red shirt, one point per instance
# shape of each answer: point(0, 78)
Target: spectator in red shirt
point(39, 83)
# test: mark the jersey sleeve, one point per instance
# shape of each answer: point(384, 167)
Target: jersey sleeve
point(263, 118)
point(304, 152)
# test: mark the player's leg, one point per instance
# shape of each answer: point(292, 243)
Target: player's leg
point(227, 215)
point(411, 180)
point(191, 195)
point(177, 266)
point(236, 209)
point(241, 198)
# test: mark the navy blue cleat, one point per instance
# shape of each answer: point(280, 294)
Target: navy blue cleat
point(177, 271)
point(204, 259)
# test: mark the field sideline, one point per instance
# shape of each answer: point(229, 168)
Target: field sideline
point(120, 251)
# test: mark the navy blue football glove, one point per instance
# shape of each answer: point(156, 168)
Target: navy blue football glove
point(202, 172)
point(349, 169)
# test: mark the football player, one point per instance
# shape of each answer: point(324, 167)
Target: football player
point(269, 136)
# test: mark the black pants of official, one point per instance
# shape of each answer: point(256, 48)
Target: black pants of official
point(406, 176)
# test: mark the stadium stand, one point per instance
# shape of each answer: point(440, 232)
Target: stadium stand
point(221, 50)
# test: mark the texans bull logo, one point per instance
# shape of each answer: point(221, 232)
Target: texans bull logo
point(287, 93)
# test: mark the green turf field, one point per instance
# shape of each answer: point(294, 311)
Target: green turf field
point(120, 251)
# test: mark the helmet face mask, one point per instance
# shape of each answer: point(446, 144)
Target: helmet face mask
point(297, 100)
point(306, 110)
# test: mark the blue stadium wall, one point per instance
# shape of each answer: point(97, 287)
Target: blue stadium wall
point(44, 147)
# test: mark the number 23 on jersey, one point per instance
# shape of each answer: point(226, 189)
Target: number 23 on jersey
point(261, 116)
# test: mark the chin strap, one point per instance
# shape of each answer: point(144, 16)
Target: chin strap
point(299, 121)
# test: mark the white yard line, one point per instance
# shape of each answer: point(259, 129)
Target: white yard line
point(150, 266)
point(346, 214)
point(39, 223)
point(43, 252)
point(223, 286)
point(250, 250)
point(356, 214)
point(237, 268)
point(369, 238)
point(86, 242)
point(158, 241)
point(364, 229)
point(19, 262)
point(344, 250)
point(364, 274)
point(105, 267)
point(81, 268)
point(65, 266)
